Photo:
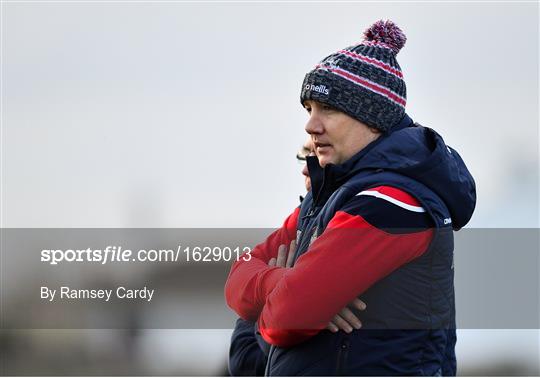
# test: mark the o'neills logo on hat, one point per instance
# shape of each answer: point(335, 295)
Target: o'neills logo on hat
point(317, 88)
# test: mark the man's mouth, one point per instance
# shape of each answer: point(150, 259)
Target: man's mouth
point(319, 145)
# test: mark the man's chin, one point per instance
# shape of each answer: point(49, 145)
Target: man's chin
point(324, 161)
point(308, 184)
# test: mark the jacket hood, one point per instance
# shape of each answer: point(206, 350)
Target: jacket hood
point(414, 151)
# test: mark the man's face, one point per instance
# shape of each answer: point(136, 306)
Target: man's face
point(336, 136)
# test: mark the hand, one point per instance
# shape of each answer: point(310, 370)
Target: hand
point(284, 259)
point(345, 319)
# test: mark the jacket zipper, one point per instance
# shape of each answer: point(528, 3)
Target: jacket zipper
point(310, 214)
point(269, 361)
point(342, 356)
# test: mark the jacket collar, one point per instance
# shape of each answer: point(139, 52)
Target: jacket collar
point(325, 181)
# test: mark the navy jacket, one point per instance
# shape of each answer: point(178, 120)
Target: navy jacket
point(248, 351)
point(409, 325)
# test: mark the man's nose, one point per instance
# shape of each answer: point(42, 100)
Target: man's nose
point(314, 125)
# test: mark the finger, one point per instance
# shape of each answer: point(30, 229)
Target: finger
point(332, 327)
point(350, 318)
point(281, 256)
point(342, 324)
point(272, 262)
point(358, 304)
point(290, 256)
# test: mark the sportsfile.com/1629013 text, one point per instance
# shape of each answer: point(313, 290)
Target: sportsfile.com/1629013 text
point(118, 254)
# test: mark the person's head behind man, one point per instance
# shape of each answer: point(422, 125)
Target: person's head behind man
point(355, 95)
point(305, 151)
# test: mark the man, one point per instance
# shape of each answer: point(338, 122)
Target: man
point(377, 224)
point(248, 351)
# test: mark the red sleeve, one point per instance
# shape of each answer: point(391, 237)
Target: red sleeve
point(349, 257)
point(250, 282)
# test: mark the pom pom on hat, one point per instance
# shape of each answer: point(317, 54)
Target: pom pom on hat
point(387, 33)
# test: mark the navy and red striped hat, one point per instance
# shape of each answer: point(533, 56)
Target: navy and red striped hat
point(364, 81)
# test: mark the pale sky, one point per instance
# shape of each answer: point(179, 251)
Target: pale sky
point(188, 115)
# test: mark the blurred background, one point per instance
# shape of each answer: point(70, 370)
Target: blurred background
point(176, 114)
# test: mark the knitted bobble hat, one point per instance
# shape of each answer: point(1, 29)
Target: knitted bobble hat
point(365, 80)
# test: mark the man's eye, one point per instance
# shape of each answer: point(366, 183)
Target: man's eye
point(327, 107)
point(308, 109)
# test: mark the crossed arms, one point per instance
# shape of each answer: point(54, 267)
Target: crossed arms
point(291, 305)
